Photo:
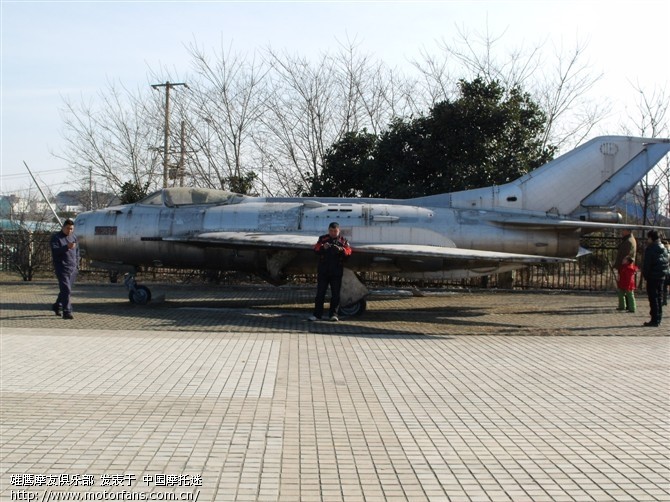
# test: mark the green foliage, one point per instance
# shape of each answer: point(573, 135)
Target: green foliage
point(350, 163)
point(243, 184)
point(132, 192)
point(487, 136)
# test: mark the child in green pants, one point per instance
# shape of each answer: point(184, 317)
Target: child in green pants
point(626, 285)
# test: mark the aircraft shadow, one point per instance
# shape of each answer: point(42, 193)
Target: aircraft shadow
point(570, 311)
point(454, 316)
point(262, 315)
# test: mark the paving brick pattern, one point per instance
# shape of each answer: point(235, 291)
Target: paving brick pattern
point(453, 396)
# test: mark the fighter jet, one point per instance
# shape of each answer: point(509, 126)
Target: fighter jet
point(538, 218)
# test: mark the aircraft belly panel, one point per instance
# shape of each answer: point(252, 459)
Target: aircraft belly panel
point(457, 273)
point(398, 234)
point(233, 259)
point(480, 234)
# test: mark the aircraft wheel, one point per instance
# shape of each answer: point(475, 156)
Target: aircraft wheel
point(356, 308)
point(140, 295)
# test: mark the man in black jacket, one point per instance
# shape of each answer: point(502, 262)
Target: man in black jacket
point(654, 270)
point(332, 249)
point(666, 284)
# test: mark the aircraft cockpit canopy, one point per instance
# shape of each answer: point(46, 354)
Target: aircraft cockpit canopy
point(187, 196)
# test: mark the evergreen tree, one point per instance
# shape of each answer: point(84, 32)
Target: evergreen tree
point(486, 136)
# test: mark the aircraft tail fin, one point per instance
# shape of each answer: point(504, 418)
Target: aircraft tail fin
point(587, 180)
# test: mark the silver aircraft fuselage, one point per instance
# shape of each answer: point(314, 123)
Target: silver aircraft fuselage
point(537, 217)
point(141, 234)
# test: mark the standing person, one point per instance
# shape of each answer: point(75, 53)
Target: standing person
point(626, 285)
point(666, 284)
point(654, 270)
point(332, 249)
point(627, 247)
point(65, 253)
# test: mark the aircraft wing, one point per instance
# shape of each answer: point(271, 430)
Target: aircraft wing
point(273, 240)
point(404, 250)
point(306, 242)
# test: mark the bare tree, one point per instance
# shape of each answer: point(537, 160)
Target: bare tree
point(312, 104)
point(228, 102)
point(371, 93)
point(560, 83)
point(651, 117)
point(263, 123)
point(299, 120)
point(295, 114)
point(115, 141)
point(24, 246)
point(435, 82)
point(563, 93)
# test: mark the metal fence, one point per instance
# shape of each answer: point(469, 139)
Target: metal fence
point(27, 254)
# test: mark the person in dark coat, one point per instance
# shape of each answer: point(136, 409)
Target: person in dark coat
point(666, 284)
point(65, 254)
point(332, 249)
point(654, 270)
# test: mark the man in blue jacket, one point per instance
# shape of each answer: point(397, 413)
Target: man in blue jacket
point(65, 253)
point(654, 270)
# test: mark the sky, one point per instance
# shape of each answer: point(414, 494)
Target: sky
point(56, 50)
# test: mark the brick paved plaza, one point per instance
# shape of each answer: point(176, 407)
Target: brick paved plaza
point(230, 393)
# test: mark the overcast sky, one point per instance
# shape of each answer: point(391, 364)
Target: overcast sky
point(52, 50)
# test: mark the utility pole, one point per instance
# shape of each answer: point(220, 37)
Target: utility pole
point(90, 188)
point(182, 156)
point(166, 142)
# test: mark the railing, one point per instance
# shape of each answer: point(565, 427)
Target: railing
point(28, 254)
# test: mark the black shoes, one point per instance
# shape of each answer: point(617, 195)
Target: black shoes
point(57, 310)
point(651, 324)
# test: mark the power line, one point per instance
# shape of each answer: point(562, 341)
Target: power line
point(20, 175)
point(52, 188)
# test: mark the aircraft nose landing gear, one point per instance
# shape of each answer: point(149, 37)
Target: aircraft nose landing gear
point(140, 295)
